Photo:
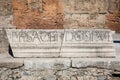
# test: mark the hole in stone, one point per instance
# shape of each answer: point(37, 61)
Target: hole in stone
point(116, 41)
point(10, 51)
point(116, 74)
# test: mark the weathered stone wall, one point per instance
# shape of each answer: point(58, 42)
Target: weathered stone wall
point(44, 14)
point(52, 14)
point(4, 44)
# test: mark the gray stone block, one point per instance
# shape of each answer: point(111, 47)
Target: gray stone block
point(47, 63)
point(105, 63)
point(61, 43)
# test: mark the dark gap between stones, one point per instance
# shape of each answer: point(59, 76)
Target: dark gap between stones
point(10, 51)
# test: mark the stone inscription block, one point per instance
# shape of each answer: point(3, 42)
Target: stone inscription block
point(61, 43)
point(86, 6)
point(35, 43)
point(5, 7)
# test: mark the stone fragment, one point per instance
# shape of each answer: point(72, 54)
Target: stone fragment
point(11, 63)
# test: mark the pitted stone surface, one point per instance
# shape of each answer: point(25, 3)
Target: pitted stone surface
point(107, 63)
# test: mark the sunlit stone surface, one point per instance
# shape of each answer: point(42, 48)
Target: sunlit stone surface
point(61, 43)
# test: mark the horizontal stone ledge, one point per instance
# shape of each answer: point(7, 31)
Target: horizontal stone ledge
point(107, 63)
point(60, 63)
point(63, 41)
point(47, 63)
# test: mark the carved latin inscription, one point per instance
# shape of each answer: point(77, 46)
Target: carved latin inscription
point(48, 36)
point(5, 7)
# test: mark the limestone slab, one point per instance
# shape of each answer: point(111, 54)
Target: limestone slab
point(107, 63)
point(61, 43)
point(11, 62)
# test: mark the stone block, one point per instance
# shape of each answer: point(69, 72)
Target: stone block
point(83, 63)
point(38, 14)
point(61, 43)
point(36, 4)
point(47, 63)
point(11, 63)
point(35, 43)
point(113, 6)
point(4, 44)
point(87, 43)
point(106, 63)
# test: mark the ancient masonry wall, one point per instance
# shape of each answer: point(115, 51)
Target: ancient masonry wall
point(59, 69)
point(51, 14)
point(57, 14)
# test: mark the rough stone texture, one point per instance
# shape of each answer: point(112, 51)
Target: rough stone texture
point(113, 21)
point(86, 6)
point(6, 14)
point(88, 13)
point(4, 44)
point(6, 22)
point(11, 63)
point(48, 15)
point(113, 6)
point(69, 73)
point(10, 74)
point(52, 14)
point(105, 63)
